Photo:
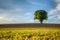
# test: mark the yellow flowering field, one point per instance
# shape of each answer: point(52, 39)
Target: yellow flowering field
point(29, 33)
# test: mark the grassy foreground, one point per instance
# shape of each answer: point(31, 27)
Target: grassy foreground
point(29, 33)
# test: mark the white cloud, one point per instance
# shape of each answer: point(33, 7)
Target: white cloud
point(59, 17)
point(12, 12)
point(57, 1)
point(58, 7)
point(1, 18)
point(35, 2)
point(55, 13)
point(15, 16)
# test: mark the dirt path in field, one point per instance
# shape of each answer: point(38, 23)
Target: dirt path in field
point(29, 25)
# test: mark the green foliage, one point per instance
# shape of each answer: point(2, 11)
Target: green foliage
point(40, 15)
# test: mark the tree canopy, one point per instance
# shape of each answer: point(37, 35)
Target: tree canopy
point(40, 15)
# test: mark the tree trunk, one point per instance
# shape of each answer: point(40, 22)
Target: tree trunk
point(41, 22)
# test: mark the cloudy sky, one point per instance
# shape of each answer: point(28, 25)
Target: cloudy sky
point(22, 11)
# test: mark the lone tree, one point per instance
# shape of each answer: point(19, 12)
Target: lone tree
point(40, 15)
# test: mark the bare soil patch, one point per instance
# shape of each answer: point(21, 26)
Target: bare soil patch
point(29, 25)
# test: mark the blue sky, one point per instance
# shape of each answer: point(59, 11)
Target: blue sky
point(22, 11)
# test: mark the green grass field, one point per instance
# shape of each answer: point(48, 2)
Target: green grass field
point(29, 33)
